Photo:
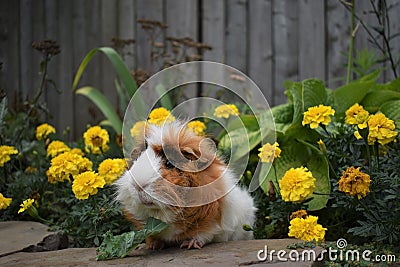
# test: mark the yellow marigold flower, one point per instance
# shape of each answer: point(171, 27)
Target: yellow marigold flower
point(26, 205)
point(5, 152)
point(4, 202)
point(354, 182)
point(269, 152)
point(225, 111)
point(356, 114)
point(159, 116)
point(112, 169)
point(307, 229)
point(297, 184)
point(381, 129)
point(197, 127)
point(86, 184)
point(138, 129)
point(316, 115)
point(43, 130)
point(298, 214)
point(56, 148)
point(77, 151)
point(96, 140)
point(67, 165)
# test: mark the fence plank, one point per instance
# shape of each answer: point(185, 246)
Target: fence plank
point(25, 74)
point(152, 10)
point(38, 34)
point(285, 27)
point(51, 31)
point(82, 107)
point(9, 78)
point(109, 30)
point(213, 29)
point(337, 42)
point(394, 43)
point(312, 40)
point(181, 18)
point(261, 46)
point(127, 29)
point(236, 35)
point(66, 68)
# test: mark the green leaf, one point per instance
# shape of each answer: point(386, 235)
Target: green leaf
point(305, 94)
point(104, 105)
point(165, 99)
point(297, 154)
point(348, 95)
point(313, 93)
point(122, 99)
point(119, 246)
point(239, 142)
point(118, 64)
point(391, 109)
point(375, 99)
point(283, 113)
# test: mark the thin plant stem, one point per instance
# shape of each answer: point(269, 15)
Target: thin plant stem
point(350, 55)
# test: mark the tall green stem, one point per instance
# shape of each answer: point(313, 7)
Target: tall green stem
point(350, 55)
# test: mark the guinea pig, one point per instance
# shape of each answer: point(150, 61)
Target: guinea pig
point(176, 177)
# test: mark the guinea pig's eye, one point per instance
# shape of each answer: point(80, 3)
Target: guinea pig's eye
point(169, 165)
point(145, 144)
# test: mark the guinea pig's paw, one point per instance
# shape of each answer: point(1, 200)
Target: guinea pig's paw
point(155, 244)
point(192, 243)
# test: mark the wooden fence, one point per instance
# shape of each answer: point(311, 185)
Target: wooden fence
point(269, 40)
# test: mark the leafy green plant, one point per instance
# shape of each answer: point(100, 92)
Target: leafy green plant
point(119, 246)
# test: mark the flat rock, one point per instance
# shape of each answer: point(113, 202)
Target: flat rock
point(234, 253)
point(17, 235)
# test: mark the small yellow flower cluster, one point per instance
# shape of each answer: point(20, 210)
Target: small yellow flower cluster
point(297, 185)
point(56, 147)
point(160, 116)
point(96, 140)
point(111, 169)
point(43, 130)
point(269, 152)
point(4, 202)
point(307, 229)
point(5, 152)
point(354, 182)
point(380, 128)
point(66, 165)
point(225, 111)
point(197, 127)
point(318, 115)
point(357, 115)
point(87, 183)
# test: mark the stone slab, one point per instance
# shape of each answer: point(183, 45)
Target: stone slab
point(234, 253)
point(17, 235)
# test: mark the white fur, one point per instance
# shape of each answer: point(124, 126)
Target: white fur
point(238, 206)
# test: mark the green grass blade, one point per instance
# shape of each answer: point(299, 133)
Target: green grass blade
point(104, 105)
point(165, 99)
point(118, 64)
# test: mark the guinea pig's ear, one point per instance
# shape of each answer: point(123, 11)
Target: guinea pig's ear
point(189, 153)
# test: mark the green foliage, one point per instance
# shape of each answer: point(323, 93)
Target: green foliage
point(119, 246)
point(98, 98)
